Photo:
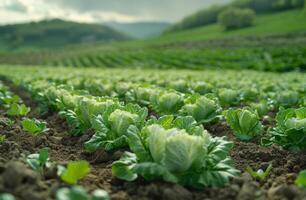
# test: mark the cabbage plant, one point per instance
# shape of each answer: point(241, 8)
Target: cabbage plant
point(79, 118)
point(140, 95)
point(245, 123)
point(167, 102)
point(290, 130)
point(203, 109)
point(288, 98)
point(111, 127)
point(228, 97)
point(165, 152)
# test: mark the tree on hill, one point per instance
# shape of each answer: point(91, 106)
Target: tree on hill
point(234, 18)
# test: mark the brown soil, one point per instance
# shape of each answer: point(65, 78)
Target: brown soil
point(28, 185)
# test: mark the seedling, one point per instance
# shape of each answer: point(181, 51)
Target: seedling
point(75, 171)
point(2, 138)
point(34, 126)
point(17, 110)
point(78, 192)
point(259, 174)
point(39, 161)
point(6, 122)
point(301, 179)
point(6, 196)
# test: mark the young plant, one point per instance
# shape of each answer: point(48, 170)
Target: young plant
point(7, 122)
point(167, 102)
point(259, 174)
point(111, 127)
point(2, 138)
point(301, 179)
point(174, 155)
point(80, 118)
point(34, 126)
point(228, 97)
point(17, 110)
point(78, 193)
point(290, 130)
point(288, 98)
point(75, 171)
point(39, 161)
point(201, 108)
point(6, 196)
point(245, 123)
point(9, 100)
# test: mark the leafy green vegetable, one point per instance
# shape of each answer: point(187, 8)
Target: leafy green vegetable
point(174, 155)
point(167, 102)
point(9, 100)
point(34, 126)
point(288, 98)
point(17, 110)
point(203, 109)
point(7, 122)
point(39, 161)
point(301, 179)
point(228, 97)
point(75, 171)
point(290, 130)
point(111, 127)
point(2, 138)
point(78, 193)
point(6, 196)
point(259, 174)
point(245, 123)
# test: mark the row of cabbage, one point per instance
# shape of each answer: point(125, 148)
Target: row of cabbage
point(161, 123)
point(265, 59)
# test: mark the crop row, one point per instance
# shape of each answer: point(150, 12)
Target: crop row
point(159, 116)
point(265, 59)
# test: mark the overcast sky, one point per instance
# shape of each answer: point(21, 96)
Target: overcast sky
point(96, 11)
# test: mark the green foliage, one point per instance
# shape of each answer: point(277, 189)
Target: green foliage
point(2, 138)
point(210, 15)
point(288, 99)
point(111, 127)
point(301, 179)
point(78, 193)
point(191, 158)
point(39, 161)
point(6, 196)
point(259, 174)
point(17, 110)
point(166, 102)
point(290, 130)
point(75, 171)
point(235, 18)
point(228, 97)
point(203, 109)
point(245, 123)
point(34, 126)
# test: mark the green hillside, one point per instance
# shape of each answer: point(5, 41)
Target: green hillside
point(291, 21)
point(210, 15)
point(53, 34)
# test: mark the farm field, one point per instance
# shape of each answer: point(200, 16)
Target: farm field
point(115, 120)
point(153, 100)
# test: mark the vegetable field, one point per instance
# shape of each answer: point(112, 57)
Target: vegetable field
point(97, 133)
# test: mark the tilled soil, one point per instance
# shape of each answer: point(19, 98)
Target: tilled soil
point(18, 179)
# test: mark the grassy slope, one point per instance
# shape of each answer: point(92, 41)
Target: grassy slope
point(283, 22)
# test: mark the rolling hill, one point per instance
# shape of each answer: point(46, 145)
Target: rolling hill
point(54, 34)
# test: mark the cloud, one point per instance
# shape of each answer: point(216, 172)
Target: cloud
point(98, 11)
point(16, 6)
